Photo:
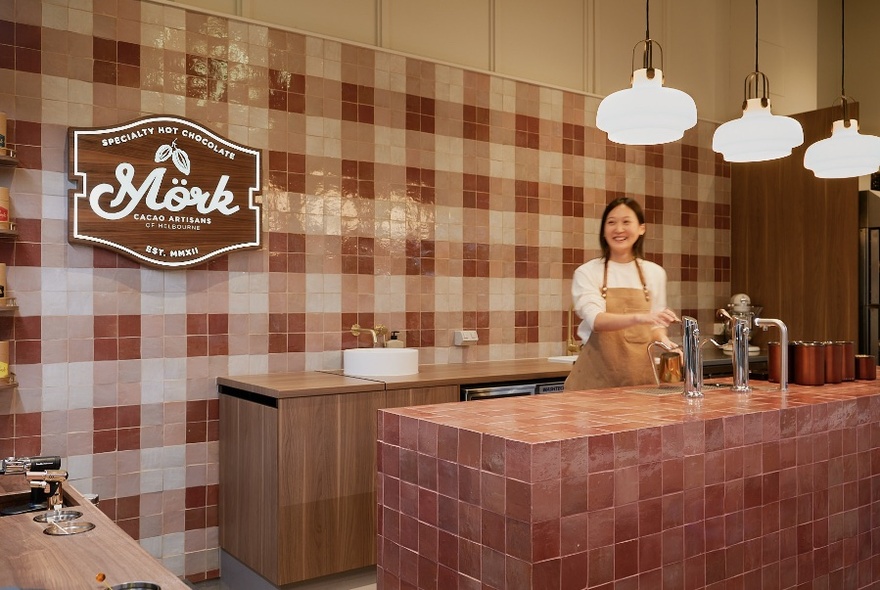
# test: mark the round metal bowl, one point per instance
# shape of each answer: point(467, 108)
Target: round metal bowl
point(68, 528)
point(62, 516)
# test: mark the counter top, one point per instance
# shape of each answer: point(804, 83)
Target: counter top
point(31, 559)
point(560, 416)
point(284, 385)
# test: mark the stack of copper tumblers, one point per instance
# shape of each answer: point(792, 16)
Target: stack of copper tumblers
point(818, 363)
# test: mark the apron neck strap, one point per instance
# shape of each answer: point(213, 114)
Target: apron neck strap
point(641, 279)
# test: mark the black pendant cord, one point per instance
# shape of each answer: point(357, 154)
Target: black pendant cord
point(647, 19)
point(756, 36)
point(842, 47)
point(843, 63)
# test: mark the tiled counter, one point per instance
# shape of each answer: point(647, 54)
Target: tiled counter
point(612, 489)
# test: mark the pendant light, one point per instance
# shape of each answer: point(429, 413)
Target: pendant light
point(847, 153)
point(758, 135)
point(647, 113)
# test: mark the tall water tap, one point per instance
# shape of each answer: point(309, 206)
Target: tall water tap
point(693, 358)
point(783, 348)
point(740, 328)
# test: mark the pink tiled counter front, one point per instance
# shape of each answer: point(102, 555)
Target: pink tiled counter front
point(613, 489)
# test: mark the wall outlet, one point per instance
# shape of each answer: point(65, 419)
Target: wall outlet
point(464, 337)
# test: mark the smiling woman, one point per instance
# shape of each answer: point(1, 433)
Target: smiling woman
point(621, 299)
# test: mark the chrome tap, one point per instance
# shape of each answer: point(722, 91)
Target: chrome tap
point(740, 329)
point(693, 358)
point(783, 348)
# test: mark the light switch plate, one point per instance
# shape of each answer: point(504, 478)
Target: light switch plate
point(464, 337)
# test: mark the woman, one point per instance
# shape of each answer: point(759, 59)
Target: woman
point(622, 300)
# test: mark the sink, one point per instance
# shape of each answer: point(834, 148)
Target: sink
point(380, 362)
point(568, 358)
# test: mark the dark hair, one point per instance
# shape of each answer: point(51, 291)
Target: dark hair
point(639, 246)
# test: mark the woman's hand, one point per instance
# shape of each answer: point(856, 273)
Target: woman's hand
point(663, 318)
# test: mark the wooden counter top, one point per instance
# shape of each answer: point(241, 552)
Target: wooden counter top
point(284, 385)
point(31, 559)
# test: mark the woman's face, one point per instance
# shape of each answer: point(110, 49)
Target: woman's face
point(621, 231)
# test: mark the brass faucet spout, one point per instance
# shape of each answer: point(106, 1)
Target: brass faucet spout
point(571, 345)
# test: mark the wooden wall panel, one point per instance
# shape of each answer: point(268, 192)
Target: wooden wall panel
point(794, 247)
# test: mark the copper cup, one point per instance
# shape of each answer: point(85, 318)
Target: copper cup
point(833, 362)
point(866, 367)
point(809, 363)
point(849, 361)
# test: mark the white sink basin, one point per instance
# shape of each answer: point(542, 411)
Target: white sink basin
point(380, 362)
point(570, 358)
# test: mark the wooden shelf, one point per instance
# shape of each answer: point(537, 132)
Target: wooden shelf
point(9, 382)
point(7, 158)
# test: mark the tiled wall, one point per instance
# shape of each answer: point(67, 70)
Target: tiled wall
point(398, 191)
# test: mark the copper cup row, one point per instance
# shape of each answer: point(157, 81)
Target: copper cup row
point(818, 363)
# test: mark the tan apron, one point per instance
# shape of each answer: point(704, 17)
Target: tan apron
point(614, 359)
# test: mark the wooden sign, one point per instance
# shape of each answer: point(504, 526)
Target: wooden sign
point(164, 191)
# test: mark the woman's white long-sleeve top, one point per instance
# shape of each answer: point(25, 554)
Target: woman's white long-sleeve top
point(586, 288)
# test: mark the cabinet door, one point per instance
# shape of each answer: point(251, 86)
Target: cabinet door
point(327, 494)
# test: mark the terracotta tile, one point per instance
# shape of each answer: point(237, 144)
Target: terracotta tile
point(600, 566)
point(650, 480)
point(427, 472)
point(492, 454)
point(600, 492)
point(601, 452)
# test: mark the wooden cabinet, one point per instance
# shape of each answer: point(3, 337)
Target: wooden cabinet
point(298, 478)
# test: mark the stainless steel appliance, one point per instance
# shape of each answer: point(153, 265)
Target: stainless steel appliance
point(869, 272)
point(511, 389)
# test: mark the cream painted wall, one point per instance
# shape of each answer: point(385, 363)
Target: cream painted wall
point(456, 31)
point(586, 45)
point(542, 41)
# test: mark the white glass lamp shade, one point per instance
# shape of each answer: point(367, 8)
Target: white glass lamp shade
point(758, 135)
point(847, 153)
point(648, 113)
